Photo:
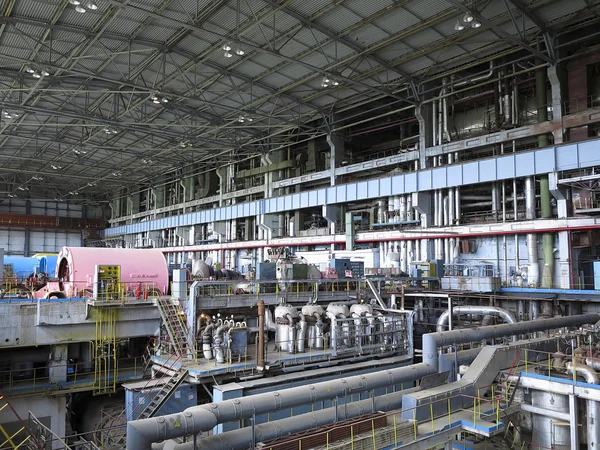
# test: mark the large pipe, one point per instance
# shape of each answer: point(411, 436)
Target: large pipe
point(241, 439)
point(593, 407)
point(443, 320)
point(533, 273)
point(541, 93)
point(445, 112)
point(198, 419)
point(433, 341)
point(260, 352)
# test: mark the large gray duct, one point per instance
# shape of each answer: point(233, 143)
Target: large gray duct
point(241, 439)
point(142, 433)
point(442, 323)
point(433, 341)
point(593, 407)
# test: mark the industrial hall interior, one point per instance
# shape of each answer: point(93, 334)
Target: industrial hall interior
point(300, 224)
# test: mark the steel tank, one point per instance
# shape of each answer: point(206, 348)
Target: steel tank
point(547, 431)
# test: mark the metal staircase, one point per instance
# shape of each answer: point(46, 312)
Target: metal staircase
point(174, 320)
point(112, 431)
point(22, 438)
point(163, 394)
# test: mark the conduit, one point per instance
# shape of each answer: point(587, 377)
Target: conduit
point(442, 323)
point(241, 439)
point(433, 341)
point(142, 433)
point(593, 407)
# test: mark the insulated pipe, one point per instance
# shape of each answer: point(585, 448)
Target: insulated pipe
point(260, 352)
point(242, 438)
point(301, 337)
point(533, 274)
point(269, 324)
point(207, 341)
point(445, 112)
point(457, 205)
point(433, 341)
point(593, 407)
point(593, 363)
point(443, 320)
point(409, 208)
point(434, 127)
point(198, 419)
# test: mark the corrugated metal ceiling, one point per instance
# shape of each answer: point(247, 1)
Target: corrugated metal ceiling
point(283, 57)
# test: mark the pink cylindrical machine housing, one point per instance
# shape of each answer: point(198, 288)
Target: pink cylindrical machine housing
point(76, 266)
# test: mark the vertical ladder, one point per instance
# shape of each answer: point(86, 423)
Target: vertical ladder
point(175, 322)
point(105, 356)
point(22, 438)
point(165, 392)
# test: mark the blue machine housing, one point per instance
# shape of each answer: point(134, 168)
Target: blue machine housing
point(23, 266)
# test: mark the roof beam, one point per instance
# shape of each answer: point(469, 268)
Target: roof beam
point(541, 25)
point(506, 35)
point(342, 40)
point(530, 15)
point(259, 49)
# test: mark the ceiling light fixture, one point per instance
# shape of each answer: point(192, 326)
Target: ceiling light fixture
point(36, 75)
point(459, 26)
point(475, 24)
point(227, 54)
point(29, 70)
point(37, 178)
point(44, 73)
point(79, 152)
point(328, 81)
point(80, 9)
point(21, 188)
point(227, 47)
point(468, 17)
point(240, 52)
point(110, 130)
point(116, 174)
point(157, 99)
point(92, 5)
point(12, 195)
point(75, 2)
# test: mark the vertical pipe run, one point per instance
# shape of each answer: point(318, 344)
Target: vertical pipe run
point(260, 351)
point(541, 94)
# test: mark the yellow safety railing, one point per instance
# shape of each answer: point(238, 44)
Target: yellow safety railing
point(380, 430)
point(79, 376)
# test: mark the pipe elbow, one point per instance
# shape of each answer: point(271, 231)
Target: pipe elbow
point(590, 375)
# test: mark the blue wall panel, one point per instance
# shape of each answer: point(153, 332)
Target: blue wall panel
point(585, 154)
point(424, 180)
point(487, 170)
point(505, 167)
point(470, 173)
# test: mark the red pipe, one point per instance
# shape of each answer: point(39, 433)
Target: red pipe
point(417, 238)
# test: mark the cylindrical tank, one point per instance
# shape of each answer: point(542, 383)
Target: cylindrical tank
point(76, 266)
point(285, 318)
point(547, 432)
